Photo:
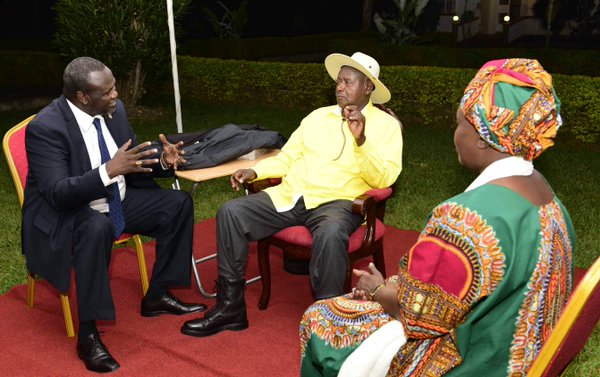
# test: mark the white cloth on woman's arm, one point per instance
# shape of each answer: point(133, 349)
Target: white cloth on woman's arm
point(373, 357)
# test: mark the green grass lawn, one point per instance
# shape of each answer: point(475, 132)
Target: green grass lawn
point(430, 174)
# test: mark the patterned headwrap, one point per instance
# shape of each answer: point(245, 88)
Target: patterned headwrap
point(513, 106)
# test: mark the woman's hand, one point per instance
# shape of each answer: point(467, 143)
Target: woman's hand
point(368, 280)
point(372, 286)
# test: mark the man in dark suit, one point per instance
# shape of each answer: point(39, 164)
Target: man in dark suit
point(82, 153)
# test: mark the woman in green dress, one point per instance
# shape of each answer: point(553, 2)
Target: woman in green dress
point(483, 286)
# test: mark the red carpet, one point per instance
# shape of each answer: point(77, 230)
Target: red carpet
point(34, 341)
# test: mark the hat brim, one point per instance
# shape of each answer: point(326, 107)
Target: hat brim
point(333, 64)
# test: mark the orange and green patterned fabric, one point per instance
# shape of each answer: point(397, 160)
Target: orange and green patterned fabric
point(479, 292)
point(513, 106)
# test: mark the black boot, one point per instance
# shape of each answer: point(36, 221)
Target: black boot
point(229, 313)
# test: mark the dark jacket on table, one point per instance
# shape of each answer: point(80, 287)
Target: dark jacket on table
point(61, 182)
point(212, 147)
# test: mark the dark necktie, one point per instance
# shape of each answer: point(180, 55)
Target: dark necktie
point(115, 211)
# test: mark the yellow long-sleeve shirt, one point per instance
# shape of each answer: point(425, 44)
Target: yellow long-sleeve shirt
point(322, 162)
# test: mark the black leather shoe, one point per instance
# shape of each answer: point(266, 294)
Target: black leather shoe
point(95, 355)
point(217, 322)
point(228, 314)
point(168, 304)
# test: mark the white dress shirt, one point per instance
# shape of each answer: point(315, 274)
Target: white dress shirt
point(90, 137)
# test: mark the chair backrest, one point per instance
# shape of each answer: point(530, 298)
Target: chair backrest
point(576, 323)
point(13, 145)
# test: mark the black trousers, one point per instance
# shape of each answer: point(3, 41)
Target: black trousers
point(253, 217)
point(166, 215)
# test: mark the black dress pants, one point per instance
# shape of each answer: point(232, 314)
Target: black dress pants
point(254, 217)
point(166, 215)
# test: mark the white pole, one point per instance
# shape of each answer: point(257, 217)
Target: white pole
point(174, 66)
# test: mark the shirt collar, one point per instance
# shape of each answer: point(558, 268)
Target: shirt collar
point(337, 111)
point(84, 120)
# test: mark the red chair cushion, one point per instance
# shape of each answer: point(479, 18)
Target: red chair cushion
point(299, 235)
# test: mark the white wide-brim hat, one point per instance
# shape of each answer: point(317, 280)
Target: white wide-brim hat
point(365, 64)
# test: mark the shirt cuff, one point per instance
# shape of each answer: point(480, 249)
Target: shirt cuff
point(259, 175)
point(104, 176)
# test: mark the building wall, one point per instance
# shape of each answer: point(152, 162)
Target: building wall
point(489, 14)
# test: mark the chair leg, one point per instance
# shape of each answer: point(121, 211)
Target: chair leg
point(379, 260)
point(265, 272)
point(348, 281)
point(64, 303)
point(66, 308)
point(30, 289)
point(139, 250)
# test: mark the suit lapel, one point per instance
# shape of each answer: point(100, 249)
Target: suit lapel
point(110, 124)
point(117, 125)
point(80, 150)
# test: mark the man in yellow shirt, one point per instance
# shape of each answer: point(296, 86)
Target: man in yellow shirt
point(336, 154)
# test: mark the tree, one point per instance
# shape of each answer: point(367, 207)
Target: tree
point(401, 29)
point(367, 12)
point(586, 27)
point(466, 18)
point(429, 20)
point(554, 16)
point(129, 36)
point(231, 24)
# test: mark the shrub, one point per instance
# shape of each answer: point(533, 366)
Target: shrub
point(29, 70)
point(129, 36)
point(431, 93)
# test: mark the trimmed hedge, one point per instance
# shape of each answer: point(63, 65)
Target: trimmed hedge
point(30, 70)
point(436, 53)
point(244, 82)
point(431, 93)
point(265, 48)
point(555, 61)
